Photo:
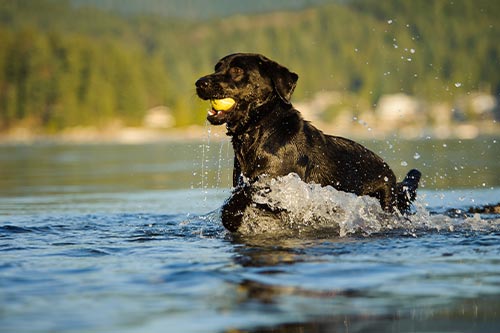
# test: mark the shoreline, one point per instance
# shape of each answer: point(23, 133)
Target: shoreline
point(144, 135)
point(124, 135)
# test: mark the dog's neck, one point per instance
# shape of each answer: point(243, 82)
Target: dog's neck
point(255, 117)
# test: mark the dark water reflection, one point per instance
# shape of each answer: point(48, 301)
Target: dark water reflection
point(52, 168)
point(445, 164)
point(370, 285)
point(101, 168)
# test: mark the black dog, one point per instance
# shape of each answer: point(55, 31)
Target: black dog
point(270, 137)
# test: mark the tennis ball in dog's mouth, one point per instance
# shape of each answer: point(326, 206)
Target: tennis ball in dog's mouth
point(222, 104)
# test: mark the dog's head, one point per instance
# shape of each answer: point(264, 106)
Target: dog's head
point(242, 83)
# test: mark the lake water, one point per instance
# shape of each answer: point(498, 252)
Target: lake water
point(126, 238)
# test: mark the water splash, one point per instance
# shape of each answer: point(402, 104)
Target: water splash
point(204, 161)
point(219, 165)
point(298, 208)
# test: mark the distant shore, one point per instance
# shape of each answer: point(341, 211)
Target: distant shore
point(140, 135)
point(122, 135)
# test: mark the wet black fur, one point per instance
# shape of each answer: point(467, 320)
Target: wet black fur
point(270, 137)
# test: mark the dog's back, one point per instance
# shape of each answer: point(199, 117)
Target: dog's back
point(324, 159)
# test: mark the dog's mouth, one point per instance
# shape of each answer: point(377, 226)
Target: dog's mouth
point(219, 109)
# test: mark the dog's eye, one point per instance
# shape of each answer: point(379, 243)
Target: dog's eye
point(236, 71)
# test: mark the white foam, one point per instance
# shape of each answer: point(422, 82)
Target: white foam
point(301, 208)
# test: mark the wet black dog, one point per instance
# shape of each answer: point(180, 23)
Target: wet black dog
point(270, 137)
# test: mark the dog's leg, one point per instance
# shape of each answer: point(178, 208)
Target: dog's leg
point(234, 207)
point(386, 195)
point(384, 191)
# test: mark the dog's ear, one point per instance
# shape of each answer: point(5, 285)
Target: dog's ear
point(284, 81)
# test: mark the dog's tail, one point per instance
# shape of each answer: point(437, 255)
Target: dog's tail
point(407, 191)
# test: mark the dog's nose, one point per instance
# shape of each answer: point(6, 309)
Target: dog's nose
point(202, 82)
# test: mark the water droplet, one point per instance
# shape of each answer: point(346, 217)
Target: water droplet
point(386, 179)
point(416, 156)
point(404, 163)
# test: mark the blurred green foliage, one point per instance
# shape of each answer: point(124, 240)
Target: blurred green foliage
point(63, 66)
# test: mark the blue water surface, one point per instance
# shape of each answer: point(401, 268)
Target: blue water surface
point(104, 239)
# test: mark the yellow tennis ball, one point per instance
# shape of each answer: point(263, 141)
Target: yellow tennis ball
point(222, 104)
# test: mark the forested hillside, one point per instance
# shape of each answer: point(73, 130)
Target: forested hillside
point(196, 9)
point(64, 66)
